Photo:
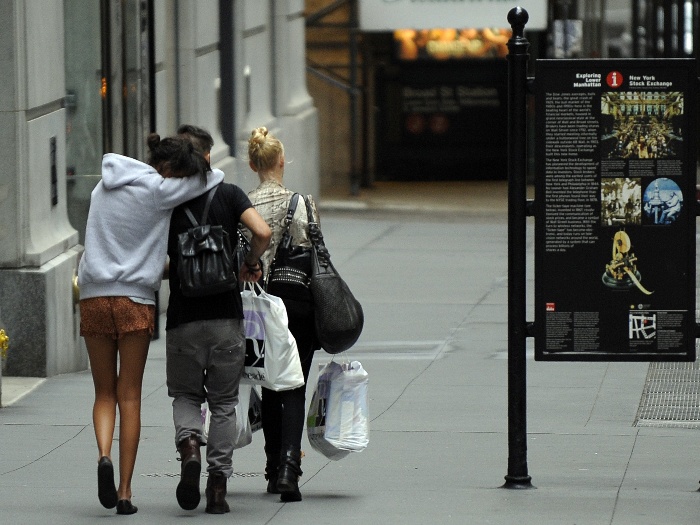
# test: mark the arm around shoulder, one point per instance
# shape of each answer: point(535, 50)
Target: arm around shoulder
point(172, 191)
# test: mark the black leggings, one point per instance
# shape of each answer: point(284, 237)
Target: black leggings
point(283, 413)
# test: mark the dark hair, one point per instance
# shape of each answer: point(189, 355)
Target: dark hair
point(200, 137)
point(176, 154)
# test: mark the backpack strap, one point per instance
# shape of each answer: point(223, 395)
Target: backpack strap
point(210, 197)
point(205, 214)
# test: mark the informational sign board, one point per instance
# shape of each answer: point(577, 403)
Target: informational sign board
point(615, 197)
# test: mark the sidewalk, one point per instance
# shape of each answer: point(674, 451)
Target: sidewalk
point(434, 290)
point(471, 198)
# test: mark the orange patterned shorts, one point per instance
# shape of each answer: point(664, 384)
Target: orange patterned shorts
point(115, 317)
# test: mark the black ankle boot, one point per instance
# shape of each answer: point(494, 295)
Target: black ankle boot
point(289, 473)
point(216, 494)
point(272, 471)
point(187, 492)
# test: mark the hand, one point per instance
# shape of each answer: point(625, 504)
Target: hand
point(250, 272)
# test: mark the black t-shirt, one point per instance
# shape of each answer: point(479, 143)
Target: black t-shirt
point(226, 208)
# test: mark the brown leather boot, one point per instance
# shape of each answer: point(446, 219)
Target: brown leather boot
point(216, 494)
point(187, 492)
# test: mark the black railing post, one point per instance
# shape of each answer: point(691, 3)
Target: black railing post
point(518, 45)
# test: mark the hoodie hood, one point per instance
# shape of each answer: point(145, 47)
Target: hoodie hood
point(118, 170)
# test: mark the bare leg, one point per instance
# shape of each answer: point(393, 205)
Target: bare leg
point(133, 351)
point(103, 364)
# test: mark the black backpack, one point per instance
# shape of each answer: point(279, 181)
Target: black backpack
point(205, 261)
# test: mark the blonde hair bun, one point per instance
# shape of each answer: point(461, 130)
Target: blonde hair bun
point(263, 148)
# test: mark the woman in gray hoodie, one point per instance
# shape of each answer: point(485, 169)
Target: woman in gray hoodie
point(118, 276)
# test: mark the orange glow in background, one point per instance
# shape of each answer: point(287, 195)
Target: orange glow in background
point(444, 44)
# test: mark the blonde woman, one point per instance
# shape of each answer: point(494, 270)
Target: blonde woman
point(283, 413)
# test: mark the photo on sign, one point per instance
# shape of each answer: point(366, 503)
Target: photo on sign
point(642, 125)
point(620, 201)
point(663, 202)
point(621, 272)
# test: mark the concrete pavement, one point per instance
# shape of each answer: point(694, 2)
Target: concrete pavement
point(434, 290)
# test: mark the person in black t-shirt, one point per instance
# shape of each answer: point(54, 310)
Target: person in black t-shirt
point(205, 344)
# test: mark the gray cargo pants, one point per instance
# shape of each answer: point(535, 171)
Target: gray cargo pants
point(204, 360)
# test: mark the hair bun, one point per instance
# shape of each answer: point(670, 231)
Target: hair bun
point(153, 140)
point(264, 149)
point(258, 136)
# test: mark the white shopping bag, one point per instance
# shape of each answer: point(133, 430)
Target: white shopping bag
point(271, 358)
point(338, 419)
point(248, 416)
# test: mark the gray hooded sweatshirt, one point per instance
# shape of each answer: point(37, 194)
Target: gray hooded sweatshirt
point(127, 228)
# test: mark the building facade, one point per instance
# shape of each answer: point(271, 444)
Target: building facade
point(85, 78)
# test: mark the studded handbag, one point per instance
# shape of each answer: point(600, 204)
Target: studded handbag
point(290, 269)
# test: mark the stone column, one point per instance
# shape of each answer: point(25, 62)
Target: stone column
point(254, 79)
point(40, 249)
point(295, 109)
point(271, 88)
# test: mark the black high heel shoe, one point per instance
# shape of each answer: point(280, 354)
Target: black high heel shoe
point(106, 491)
point(124, 506)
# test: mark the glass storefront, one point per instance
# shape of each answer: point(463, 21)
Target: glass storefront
point(107, 102)
point(85, 91)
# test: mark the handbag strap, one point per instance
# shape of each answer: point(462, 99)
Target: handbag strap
point(316, 236)
point(286, 240)
point(205, 214)
point(309, 211)
point(291, 209)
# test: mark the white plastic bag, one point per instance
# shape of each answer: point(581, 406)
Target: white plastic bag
point(338, 420)
point(271, 358)
point(255, 409)
point(248, 416)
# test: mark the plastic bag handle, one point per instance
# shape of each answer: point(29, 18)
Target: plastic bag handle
point(251, 285)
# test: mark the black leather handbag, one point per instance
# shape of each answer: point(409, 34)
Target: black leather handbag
point(290, 269)
point(205, 261)
point(338, 316)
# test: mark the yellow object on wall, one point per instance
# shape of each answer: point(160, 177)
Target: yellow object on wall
point(4, 343)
